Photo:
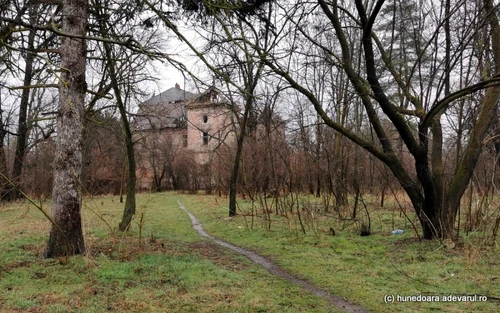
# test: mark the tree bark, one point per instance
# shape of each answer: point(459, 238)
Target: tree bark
point(66, 236)
point(130, 203)
point(237, 158)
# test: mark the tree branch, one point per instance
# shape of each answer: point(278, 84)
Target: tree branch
point(443, 104)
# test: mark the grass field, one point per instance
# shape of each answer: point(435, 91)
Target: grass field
point(365, 269)
point(162, 264)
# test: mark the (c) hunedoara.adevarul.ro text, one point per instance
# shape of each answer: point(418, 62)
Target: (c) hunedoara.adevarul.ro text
point(430, 298)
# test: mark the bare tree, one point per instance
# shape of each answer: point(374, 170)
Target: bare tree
point(238, 65)
point(22, 127)
point(435, 200)
point(126, 69)
point(130, 204)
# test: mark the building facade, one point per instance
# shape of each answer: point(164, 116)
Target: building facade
point(178, 133)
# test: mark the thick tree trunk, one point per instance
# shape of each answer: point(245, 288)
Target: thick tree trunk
point(66, 236)
point(471, 154)
point(430, 218)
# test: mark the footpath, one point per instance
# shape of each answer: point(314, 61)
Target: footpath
point(275, 270)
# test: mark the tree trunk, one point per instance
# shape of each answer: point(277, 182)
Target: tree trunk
point(236, 165)
point(22, 127)
point(471, 155)
point(4, 184)
point(130, 203)
point(66, 236)
point(430, 218)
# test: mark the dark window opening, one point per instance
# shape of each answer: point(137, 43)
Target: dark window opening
point(205, 118)
point(185, 140)
point(181, 121)
point(205, 138)
point(213, 96)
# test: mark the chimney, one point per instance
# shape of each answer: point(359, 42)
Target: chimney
point(177, 86)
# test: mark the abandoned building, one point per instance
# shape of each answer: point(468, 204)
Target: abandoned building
point(177, 134)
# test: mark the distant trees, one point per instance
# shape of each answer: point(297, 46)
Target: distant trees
point(159, 155)
point(4, 183)
point(104, 157)
point(231, 57)
point(22, 124)
point(22, 80)
point(266, 154)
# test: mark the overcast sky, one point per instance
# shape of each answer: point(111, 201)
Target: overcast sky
point(167, 74)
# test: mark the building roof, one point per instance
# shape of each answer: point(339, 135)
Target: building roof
point(168, 109)
point(210, 97)
point(164, 110)
point(174, 94)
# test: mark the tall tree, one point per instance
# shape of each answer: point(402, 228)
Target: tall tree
point(230, 17)
point(127, 69)
point(110, 57)
point(22, 126)
point(66, 236)
point(240, 62)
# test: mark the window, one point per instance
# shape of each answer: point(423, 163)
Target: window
point(213, 96)
point(205, 118)
point(205, 138)
point(185, 140)
point(181, 121)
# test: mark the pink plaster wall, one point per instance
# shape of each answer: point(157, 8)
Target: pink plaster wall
point(218, 125)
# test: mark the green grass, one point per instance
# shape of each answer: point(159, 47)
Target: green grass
point(363, 269)
point(160, 265)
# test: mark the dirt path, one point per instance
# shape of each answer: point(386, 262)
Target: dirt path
point(275, 270)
